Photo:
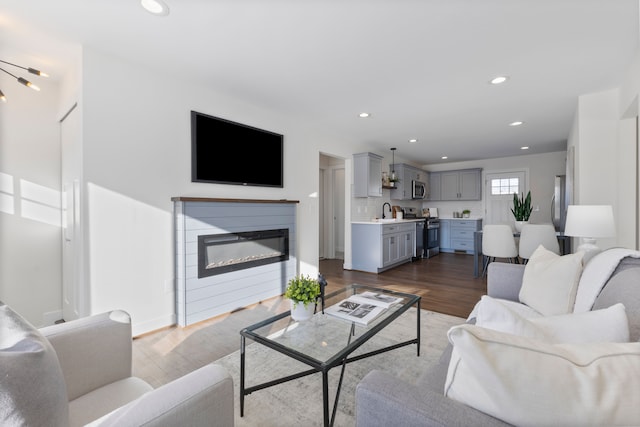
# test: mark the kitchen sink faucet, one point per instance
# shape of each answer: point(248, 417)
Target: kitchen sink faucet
point(385, 203)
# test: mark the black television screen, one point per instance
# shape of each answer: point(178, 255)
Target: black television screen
point(226, 152)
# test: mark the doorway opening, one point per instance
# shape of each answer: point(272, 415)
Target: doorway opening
point(332, 207)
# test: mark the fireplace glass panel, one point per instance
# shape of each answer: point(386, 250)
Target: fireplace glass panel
point(222, 253)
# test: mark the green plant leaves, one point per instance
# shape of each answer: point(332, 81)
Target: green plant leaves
point(522, 207)
point(302, 289)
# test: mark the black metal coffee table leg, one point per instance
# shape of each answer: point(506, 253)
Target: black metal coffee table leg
point(242, 344)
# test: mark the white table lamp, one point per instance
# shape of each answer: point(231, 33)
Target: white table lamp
point(590, 222)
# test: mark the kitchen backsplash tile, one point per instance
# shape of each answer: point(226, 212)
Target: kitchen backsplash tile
point(446, 209)
point(367, 208)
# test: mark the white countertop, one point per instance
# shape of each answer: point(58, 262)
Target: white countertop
point(472, 218)
point(388, 221)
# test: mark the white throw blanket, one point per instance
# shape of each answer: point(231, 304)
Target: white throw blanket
point(596, 274)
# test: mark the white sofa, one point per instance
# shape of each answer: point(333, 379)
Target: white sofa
point(79, 373)
point(382, 399)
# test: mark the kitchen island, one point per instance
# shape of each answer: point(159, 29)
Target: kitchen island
point(379, 245)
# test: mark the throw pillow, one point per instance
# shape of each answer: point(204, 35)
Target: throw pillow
point(550, 281)
point(529, 382)
point(32, 388)
point(606, 325)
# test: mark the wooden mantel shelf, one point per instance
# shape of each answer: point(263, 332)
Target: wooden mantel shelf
point(206, 199)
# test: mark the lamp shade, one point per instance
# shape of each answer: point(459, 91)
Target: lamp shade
point(590, 221)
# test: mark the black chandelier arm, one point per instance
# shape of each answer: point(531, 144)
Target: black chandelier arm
point(12, 75)
point(22, 81)
point(29, 69)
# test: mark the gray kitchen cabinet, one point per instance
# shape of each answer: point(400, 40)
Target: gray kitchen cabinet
point(378, 247)
point(459, 235)
point(367, 175)
point(407, 174)
point(445, 234)
point(463, 184)
point(434, 186)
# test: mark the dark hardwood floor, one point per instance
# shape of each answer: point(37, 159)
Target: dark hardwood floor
point(445, 283)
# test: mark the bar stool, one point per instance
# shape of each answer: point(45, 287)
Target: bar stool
point(498, 242)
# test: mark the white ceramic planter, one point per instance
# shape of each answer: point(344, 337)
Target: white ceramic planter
point(300, 313)
point(520, 224)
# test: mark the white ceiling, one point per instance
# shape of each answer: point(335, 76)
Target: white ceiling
point(420, 67)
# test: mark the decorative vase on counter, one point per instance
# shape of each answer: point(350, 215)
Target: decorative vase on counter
point(520, 224)
point(385, 179)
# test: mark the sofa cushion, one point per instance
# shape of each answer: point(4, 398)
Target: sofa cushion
point(550, 281)
point(529, 382)
point(32, 388)
point(606, 325)
point(624, 287)
point(99, 402)
point(596, 274)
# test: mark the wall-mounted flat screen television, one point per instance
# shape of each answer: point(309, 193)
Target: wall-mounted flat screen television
point(225, 152)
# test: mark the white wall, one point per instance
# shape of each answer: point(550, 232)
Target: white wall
point(606, 158)
point(542, 170)
point(137, 156)
point(30, 256)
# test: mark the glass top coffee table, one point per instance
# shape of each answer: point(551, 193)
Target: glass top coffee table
point(324, 341)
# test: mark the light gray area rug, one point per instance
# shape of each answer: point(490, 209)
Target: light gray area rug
point(299, 402)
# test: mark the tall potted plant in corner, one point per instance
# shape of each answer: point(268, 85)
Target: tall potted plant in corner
point(303, 291)
point(521, 209)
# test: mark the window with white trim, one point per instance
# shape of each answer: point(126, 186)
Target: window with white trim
point(503, 186)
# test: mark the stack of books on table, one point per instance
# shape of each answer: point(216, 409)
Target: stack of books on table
point(363, 308)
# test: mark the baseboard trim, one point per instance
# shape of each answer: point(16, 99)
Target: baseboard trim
point(141, 328)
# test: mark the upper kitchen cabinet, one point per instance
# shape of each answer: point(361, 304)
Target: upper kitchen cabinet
point(434, 186)
point(407, 175)
point(463, 184)
point(367, 175)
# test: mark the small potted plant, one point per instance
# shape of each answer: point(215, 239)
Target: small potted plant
point(466, 213)
point(303, 291)
point(393, 179)
point(521, 209)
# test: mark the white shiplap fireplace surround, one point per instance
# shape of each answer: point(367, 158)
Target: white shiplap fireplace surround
point(200, 298)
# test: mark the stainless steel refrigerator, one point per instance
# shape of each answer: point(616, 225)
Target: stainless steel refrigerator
point(559, 202)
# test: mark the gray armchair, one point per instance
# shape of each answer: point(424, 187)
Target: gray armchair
point(79, 373)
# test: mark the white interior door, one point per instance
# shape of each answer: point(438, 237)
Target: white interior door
point(338, 212)
point(499, 189)
point(72, 291)
point(321, 197)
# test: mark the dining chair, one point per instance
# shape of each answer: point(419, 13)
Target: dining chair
point(498, 242)
point(534, 235)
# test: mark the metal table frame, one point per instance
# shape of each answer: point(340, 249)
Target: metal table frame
point(339, 359)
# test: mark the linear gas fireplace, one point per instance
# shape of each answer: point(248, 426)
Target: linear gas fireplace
point(223, 253)
point(231, 253)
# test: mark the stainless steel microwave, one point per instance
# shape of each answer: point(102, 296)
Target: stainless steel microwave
point(418, 190)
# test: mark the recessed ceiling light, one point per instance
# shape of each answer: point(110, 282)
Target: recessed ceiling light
point(499, 80)
point(517, 123)
point(412, 140)
point(364, 115)
point(444, 157)
point(524, 148)
point(156, 7)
